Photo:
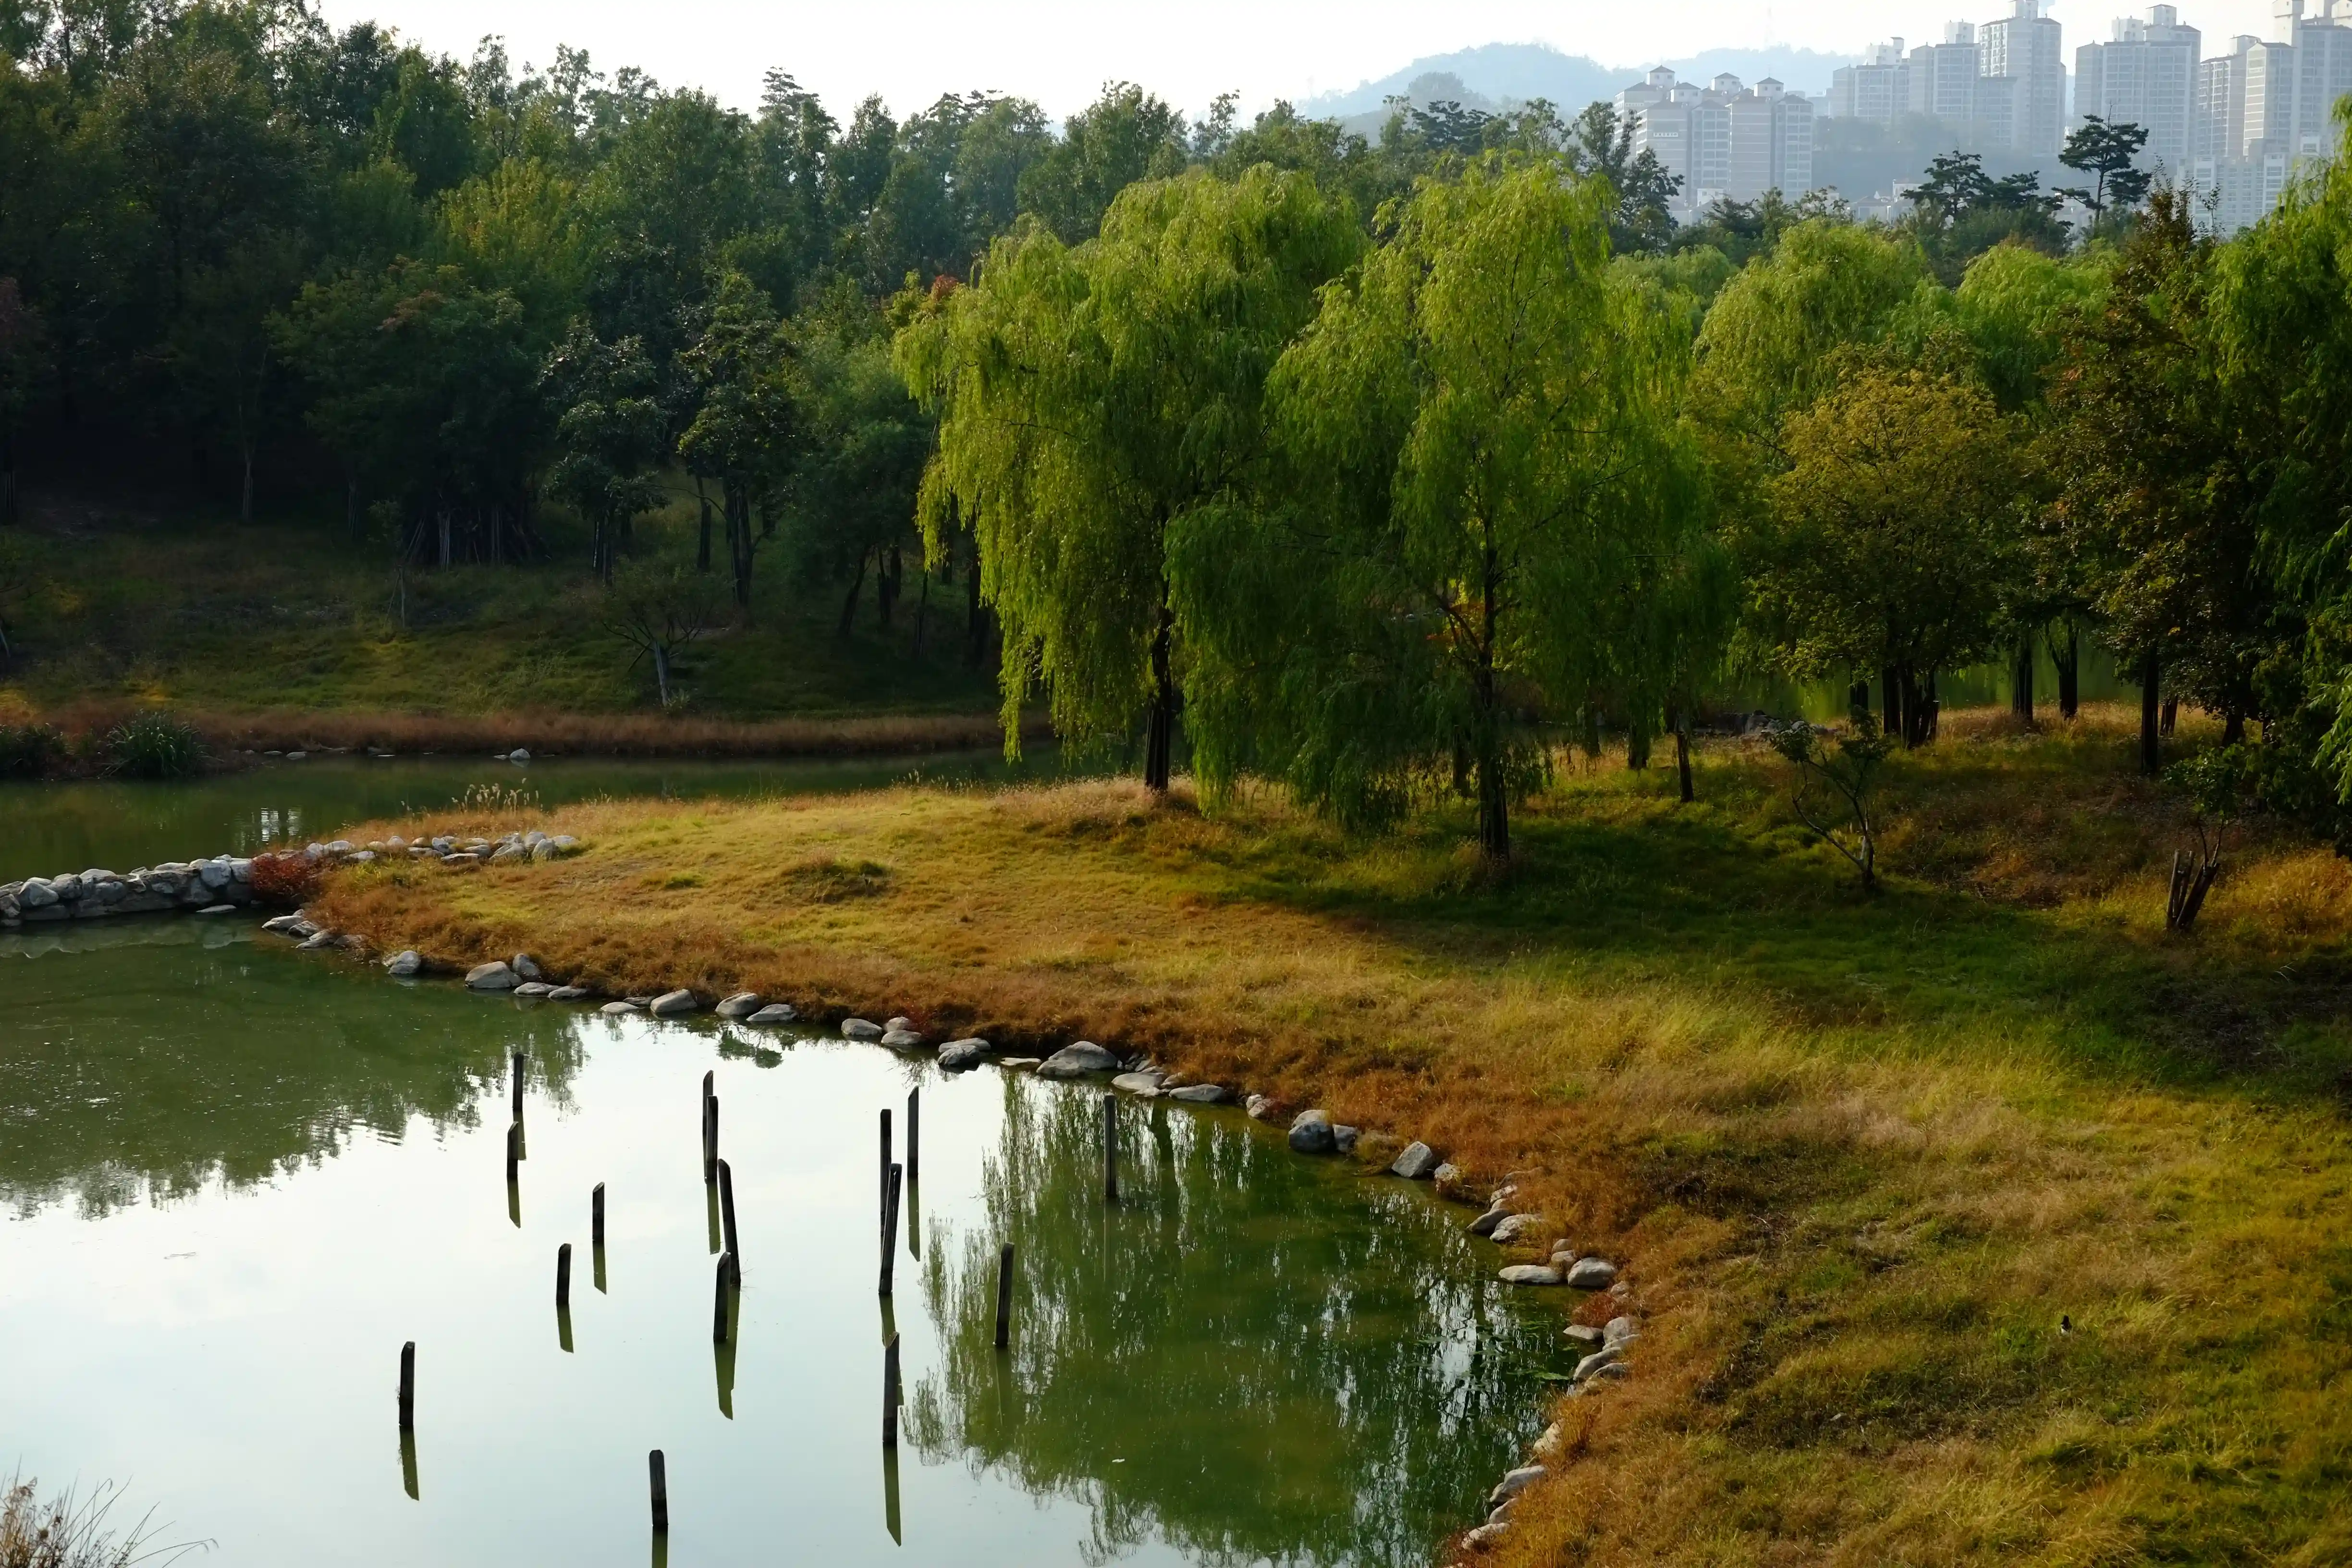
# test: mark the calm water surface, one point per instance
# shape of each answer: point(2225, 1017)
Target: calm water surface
point(234, 1179)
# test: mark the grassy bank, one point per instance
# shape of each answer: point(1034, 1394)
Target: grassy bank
point(128, 598)
point(1974, 1222)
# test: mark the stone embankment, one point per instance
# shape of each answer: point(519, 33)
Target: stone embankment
point(213, 887)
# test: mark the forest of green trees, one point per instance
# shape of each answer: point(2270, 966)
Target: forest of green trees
point(1380, 462)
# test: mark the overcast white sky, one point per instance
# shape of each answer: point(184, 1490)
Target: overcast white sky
point(1060, 52)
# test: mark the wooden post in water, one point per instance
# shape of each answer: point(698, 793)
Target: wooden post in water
point(597, 1218)
point(1004, 1296)
point(658, 1479)
point(727, 1220)
point(1110, 1147)
point(889, 1225)
point(710, 1139)
point(890, 1393)
point(914, 1134)
point(518, 1086)
point(563, 1278)
point(408, 1386)
point(514, 1150)
point(719, 1311)
point(883, 1171)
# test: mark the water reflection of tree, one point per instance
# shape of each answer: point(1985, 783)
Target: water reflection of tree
point(153, 1071)
point(1291, 1368)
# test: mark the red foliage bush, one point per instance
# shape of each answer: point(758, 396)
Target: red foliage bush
point(286, 880)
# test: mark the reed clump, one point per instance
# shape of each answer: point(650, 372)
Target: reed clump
point(1977, 1221)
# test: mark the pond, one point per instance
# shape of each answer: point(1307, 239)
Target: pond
point(237, 1179)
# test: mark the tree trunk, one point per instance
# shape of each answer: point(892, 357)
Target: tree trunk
point(885, 586)
point(1637, 747)
point(1890, 696)
point(702, 551)
point(2170, 715)
point(1681, 753)
point(661, 672)
point(2233, 724)
point(1493, 799)
point(1159, 745)
point(1931, 721)
point(2021, 695)
point(444, 512)
point(2070, 672)
point(1914, 708)
point(2151, 755)
point(739, 543)
point(849, 605)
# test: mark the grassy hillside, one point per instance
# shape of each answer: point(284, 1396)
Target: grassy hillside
point(1976, 1222)
point(131, 600)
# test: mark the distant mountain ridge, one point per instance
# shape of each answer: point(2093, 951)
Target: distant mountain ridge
point(1495, 74)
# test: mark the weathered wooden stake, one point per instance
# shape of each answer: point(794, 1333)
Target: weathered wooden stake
point(883, 1171)
point(727, 1220)
point(518, 1086)
point(1110, 1147)
point(514, 1149)
point(719, 1311)
point(914, 1134)
point(1004, 1296)
point(596, 1216)
point(889, 1225)
point(890, 1393)
point(563, 1278)
point(658, 1479)
point(408, 1386)
point(710, 1139)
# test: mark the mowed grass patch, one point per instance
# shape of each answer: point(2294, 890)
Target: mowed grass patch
point(1977, 1222)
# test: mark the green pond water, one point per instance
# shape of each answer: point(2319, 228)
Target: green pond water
point(234, 1179)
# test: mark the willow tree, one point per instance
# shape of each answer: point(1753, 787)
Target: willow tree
point(1094, 399)
point(1485, 507)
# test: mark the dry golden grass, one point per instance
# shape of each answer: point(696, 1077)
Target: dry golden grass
point(1975, 1223)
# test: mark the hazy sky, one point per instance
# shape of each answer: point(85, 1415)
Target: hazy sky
point(1060, 52)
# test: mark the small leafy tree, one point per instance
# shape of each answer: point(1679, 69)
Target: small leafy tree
point(2221, 785)
point(741, 434)
point(656, 608)
point(1833, 785)
point(608, 435)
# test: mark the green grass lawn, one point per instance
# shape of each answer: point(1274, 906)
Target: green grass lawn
point(193, 608)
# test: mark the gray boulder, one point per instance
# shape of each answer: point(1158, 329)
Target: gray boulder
point(1310, 1133)
point(1146, 1084)
point(1510, 1229)
point(901, 1039)
point(1023, 1064)
point(1602, 1357)
point(1529, 1274)
point(1516, 1481)
point(544, 849)
point(1079, 1059)
point(1592, 1274)
point(508, 853)
point(1485, 1223)
point(496, 975)
point(36, 893)
point(895, 1024)
point(1415, 1164)
point(774, 1012)
point(568, 993)
point(519, 754)
point(1201, 1094)
point(671, 1003)
point(525, 966)
point(1621, 1330)
point(325, 939)
point(405, 964)
point(1343, 1137)
point(207, 909)
point(617, 1009)
point(1259, 1108)
point(742, 1004)
point(533, 988)
point(860, 1029)
point(1582, 1333)
point(962, 1056)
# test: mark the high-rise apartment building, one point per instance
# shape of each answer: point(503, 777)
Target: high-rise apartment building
point(2024, 46)
point(1723, 140)
point(2146, 75)
point(1878, 89)
point(1944, 76)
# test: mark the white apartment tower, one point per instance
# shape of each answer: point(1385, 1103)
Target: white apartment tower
point(1878, 89)
point(1944, 76)
point(2024, 46)
point(2145, 76)
point(1723, 140)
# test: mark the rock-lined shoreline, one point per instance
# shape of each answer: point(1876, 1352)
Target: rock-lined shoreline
point(217, 886)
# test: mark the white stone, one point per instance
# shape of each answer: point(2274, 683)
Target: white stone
point(1146, 1084)
point(1485, 1223)
point(519, 755)
point(495, 976)
point(1621, 1330)
point(860, 1029)
point(1078, 1060)
point(1509, 1229)
point(1595, 1362)
point(615, 1009)
point(742, 1004)
point(1529, 1274)
point(36, 893)
point(403, 965)
point(774, 1012)
point(901, 1022)
point(1516, 1481)
point(1592, 1274)
point(568, 993)
point(901, 1039)
point(670, 1004)
point(533, 988)
point(1417, 1160)
point(1310, 1133)
point(1259, 1108)
point(1201, 1094)
point(526, 967)
point(962, 1056)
